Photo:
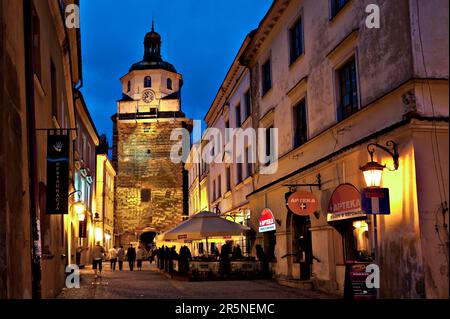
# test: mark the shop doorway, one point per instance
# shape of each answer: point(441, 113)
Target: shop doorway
point(355, 239)
point(270, 241)
point(302, 245)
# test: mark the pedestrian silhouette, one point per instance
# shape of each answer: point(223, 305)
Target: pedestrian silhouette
point(131, 255)
point(120, 255)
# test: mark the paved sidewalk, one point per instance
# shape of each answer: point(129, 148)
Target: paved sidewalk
point(151, 284)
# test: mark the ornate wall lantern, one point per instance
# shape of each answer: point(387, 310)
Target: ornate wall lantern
point(373, 170)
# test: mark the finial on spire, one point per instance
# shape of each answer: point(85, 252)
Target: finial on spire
point(153, 25)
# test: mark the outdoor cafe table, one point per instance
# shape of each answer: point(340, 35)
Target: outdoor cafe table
point(211, 268)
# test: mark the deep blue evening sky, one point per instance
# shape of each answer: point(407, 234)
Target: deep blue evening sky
point(199, 37)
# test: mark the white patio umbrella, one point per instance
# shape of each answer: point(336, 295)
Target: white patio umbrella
point(202, 226)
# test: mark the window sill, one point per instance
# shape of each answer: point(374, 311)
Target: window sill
point(38, 85)
point(297, 60)
point(338, 13)
point(246, 121)
point(239, 185)
point(227, 194)
point(263, 95)
point(248, 179)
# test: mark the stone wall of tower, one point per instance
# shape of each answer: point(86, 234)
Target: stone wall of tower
point(145, 170)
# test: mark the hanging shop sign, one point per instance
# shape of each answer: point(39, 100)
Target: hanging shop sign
point(355, 286)
point(345, 203)
point(375, 200)
point(58, 148)
point(302, 203)
point(266, 221)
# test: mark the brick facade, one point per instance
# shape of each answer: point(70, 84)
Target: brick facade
point(150, 188)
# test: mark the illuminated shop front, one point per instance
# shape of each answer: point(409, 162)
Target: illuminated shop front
point(346, 216)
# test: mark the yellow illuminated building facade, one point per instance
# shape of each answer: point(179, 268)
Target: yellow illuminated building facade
point(104, 226)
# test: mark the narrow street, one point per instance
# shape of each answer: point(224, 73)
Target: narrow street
point(152, 284)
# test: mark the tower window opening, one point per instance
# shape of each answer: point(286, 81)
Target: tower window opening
point(169, 84)
point(148, 82)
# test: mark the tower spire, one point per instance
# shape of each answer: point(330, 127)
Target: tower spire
point(153, 25)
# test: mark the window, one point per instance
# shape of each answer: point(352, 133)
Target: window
point(296, 40)
point(88, 155)
point(219, 186)
point(249, 161)
point(227, 133)
point(129, 86)
point(146, 195)
point(83, 147)
point(248, 104)
point(269, 145)
point(88, 196)
point(228, 176)
point(54, 90)
point(336, 6)
point(238, 115)
point(239, 171)
point(348, 90)
point(147, 82)
point(36, 25)
point(169, 84)
point(266, 77)
point(300, 124)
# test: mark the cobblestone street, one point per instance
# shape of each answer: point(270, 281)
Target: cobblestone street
point(152, 284)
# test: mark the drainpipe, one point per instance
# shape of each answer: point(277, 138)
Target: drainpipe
point(32, 152)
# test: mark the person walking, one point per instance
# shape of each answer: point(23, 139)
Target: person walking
point(131, 255)
point(120, 255)
point(113, 257)
point(139, 257)
point(224, 261)
point(262, 258)
point(97, 258)
point(150, 255)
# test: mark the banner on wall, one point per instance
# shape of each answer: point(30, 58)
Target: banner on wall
point(266, 221)
point(58, 150)
point(345, 203)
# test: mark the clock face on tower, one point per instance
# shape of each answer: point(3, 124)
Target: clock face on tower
point(148, 96)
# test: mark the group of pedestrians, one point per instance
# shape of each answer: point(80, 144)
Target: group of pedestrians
point(117, 256)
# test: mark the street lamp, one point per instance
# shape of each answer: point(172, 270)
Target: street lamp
point(372, 174)
point(80, 210)
point(373, 170)
point(98, 235)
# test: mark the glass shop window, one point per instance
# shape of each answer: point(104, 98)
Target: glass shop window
point(355, 239)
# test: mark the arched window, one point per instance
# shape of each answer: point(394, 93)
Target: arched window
point(129, 86)
point(148, 82)
point(169, 84)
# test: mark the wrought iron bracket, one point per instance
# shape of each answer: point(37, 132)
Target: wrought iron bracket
point(293, 187)
point(391, 148)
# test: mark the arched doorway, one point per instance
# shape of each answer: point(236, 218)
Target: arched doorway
point(148, 236)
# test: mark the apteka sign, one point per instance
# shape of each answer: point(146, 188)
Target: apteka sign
point(266, 221)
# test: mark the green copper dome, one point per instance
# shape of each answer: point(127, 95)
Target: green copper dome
point(152, 54)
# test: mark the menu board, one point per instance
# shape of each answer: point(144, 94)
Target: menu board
point(355, 282)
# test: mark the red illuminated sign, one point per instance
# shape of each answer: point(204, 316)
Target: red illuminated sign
point(266, 221)
point(345, 202)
